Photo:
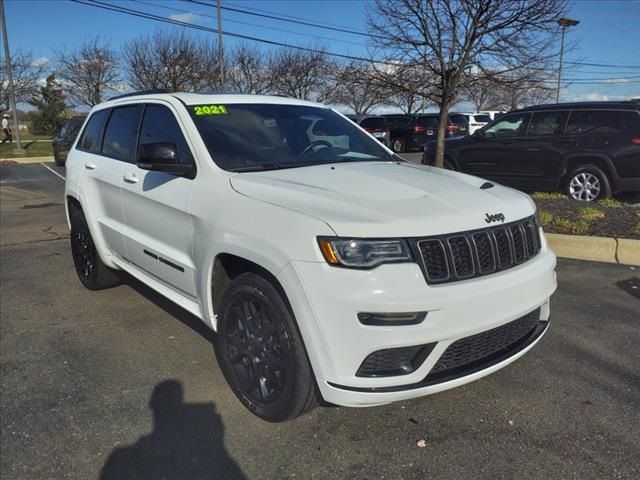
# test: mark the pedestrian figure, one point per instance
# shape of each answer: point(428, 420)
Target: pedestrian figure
point(6, 130)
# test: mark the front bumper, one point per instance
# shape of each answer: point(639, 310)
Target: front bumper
point(327, 300)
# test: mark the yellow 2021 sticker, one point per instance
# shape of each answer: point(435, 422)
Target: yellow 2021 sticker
point(210, 110)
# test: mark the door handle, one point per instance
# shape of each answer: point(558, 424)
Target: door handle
point(130, 178)
point(90, 166)
point(534, 149)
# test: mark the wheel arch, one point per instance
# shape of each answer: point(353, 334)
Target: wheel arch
point(230, 256)
point(603, 162)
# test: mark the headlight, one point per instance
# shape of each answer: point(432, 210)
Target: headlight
point(362, 253)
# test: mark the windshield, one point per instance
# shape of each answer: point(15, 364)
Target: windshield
point(250, 137)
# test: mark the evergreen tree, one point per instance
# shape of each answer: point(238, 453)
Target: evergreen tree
point(51, 107)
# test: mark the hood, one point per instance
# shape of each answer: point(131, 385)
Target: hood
point(385, 199)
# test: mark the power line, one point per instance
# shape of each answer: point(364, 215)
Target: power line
point(281, 19)
point(606, 65)
point(283, 15)
point(149, 16)
point(240, 22)
point(604, 79)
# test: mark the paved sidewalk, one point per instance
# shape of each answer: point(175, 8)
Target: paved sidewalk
point(28, 159)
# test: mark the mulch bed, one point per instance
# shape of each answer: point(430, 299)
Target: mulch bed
point(564, 215)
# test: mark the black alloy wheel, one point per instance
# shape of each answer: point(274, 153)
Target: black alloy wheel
point(92, 272)
point(260, 350)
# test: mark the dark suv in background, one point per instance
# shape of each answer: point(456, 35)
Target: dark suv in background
point(63, 139)
point(377, 126)
point(412, 132)
point(588, 150)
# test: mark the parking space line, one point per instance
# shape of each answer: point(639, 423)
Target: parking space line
point(53, 171)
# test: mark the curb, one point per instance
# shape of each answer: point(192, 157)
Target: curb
point(598, 249)
point(28, 159)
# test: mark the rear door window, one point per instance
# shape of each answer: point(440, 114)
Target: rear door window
point(482, 118)
point(398, 122)
point(92, 135)
point(120, 135)
point(374, 123)
point(547, 123)
point(458, 119)
point(427, 122)
point(160, 125)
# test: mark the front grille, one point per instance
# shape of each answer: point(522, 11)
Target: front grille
point(459, 256)
point(478, 349)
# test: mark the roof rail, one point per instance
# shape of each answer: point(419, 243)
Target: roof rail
point(142, 92)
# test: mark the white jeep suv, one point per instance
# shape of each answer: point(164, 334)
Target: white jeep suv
point(329, 267)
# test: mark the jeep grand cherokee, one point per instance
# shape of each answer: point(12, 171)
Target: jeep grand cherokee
point(328, 267)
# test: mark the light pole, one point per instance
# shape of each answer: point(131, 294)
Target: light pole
point(564, 23)
point(12, 93)
point(220, 50)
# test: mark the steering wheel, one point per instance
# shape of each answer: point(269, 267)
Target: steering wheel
point(313, 145)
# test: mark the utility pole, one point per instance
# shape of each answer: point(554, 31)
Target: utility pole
point(564, 23)
point(12, 93)
point(220, 51)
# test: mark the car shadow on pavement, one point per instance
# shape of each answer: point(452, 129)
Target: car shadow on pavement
point(187, 442)
point(170, 307)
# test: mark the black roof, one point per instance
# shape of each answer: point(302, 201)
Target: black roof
point(620, 105)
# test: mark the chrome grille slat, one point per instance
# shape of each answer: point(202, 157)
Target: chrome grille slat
point(464, 255)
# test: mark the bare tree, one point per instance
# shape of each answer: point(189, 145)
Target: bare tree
point(26, 74)
point(88, 72)
point(300, 74)
point(354, 85)
point(172, 60)
point(534, 91)
point(408, 102)
point(482, 94)
point(448, 37)
point(248, 71)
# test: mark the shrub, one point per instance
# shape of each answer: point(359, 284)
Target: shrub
point(591, 213)
point(610, 202)
point(544, 218)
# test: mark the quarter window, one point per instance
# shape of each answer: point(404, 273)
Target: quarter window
point(595, 122)
point(92, 135)
point(547, 123)
point(120, 135)
point(160, 125)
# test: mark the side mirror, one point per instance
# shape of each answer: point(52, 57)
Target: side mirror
point(162, 157)
point(479, 135)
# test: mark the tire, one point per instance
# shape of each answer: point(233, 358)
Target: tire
point(260, 351)
point(56, 158)
point(397, 145)
point(587, 183)
point(92, 272)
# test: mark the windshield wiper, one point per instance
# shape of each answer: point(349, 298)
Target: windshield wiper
point(256, 168)
point(359, 159)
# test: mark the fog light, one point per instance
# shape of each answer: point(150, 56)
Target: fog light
point(391, 319)
point(394, 361)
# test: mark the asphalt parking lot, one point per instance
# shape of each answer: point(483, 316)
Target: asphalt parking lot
point(123, 384)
